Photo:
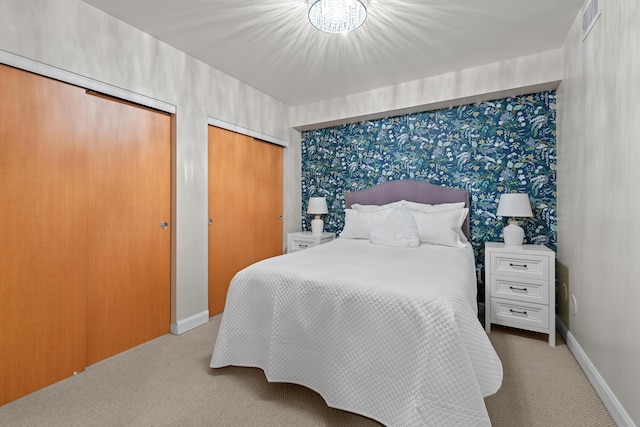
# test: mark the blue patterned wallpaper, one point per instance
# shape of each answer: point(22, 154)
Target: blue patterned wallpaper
point(489, 148)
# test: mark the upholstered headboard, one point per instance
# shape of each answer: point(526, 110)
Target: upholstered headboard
point(413, 191)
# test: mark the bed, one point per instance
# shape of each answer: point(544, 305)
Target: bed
point(383, 330)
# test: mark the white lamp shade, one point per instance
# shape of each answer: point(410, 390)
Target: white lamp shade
point(514, 205)
point(317, 206)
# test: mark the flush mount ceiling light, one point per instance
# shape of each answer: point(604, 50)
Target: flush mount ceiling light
point(337, 16)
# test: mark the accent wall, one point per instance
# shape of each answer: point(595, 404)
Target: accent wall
point(488, 148)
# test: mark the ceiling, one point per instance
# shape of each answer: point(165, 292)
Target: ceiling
point(271, 46)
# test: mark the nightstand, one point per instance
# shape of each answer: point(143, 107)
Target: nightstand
point(520, 288)
point(304, 239)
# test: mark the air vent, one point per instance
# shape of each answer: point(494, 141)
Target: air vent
point(589, 17)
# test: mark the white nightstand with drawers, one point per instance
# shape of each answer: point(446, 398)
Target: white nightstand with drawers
point(304, 239)
point(520, 288)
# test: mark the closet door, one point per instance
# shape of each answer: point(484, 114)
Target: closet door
point(128, 253)
point(245, 206)
point(84, 262)
point(267, 196)
point(42, 245)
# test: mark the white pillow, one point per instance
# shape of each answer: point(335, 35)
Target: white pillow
point(425, 207)
point(358, 224)
point(374, 208)
point(441, 228)
point(399, 230)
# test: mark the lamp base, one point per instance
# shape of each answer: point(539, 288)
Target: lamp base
point(513, 234)
point(317, 226)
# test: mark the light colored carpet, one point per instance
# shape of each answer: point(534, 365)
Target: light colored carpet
point(542, 386)
point(168, 382)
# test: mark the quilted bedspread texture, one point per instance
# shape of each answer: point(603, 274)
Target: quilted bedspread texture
point(388, 333)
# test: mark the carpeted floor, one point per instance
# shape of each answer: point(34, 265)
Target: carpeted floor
point(168, 382)
point(542, 386)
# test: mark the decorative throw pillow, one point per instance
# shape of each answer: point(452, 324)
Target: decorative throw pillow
point(399, 230)
point(441, 228)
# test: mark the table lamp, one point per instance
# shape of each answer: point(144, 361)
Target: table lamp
point(317, 207)
point(514, 205)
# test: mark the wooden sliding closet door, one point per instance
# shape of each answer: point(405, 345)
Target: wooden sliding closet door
point(42, 243)
point(84, 261)
point(267, 199)
point(128, 253)
point(245, 206)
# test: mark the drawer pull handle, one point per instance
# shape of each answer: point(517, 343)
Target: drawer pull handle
point(523, 266)
point(303, 245)
point(518, 289)
point(521, 313)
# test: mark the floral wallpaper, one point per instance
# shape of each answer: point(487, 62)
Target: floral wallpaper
point(489, 148)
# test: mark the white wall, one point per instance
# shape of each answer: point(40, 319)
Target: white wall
point(73, 36)
point(598, 195)
point(517, 76)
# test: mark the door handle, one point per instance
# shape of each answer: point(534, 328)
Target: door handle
point(164, 224)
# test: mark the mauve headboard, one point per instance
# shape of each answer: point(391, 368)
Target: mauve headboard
point(413, 191)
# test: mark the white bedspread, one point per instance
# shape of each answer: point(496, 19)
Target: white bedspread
point(388, 333)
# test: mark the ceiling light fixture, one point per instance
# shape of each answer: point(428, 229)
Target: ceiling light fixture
point(337, 16)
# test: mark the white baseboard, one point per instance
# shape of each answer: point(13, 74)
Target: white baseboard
point(184, 325)
point(618, 413)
